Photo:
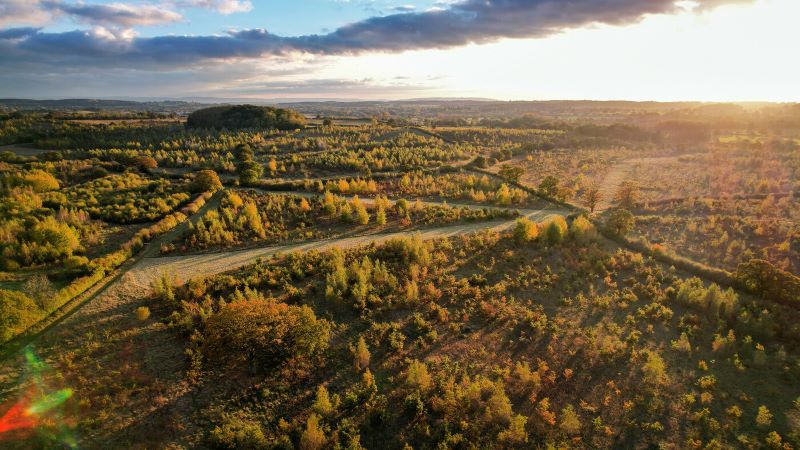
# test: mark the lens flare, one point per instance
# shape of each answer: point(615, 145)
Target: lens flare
point(40, 411)
point(49, 402)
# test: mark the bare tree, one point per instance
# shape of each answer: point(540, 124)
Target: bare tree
point(627, 195)
point(592, 197)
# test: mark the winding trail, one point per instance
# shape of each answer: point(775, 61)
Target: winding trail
point(185, 267)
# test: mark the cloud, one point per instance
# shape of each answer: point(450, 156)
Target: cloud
point(40, 12)
point(221, 6)
point(404, 8)
point(113, 14)
point(18, 12)
point(450, 25)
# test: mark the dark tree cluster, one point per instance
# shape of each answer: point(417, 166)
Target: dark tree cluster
point(245, 116)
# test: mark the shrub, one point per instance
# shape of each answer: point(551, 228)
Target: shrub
point(265, 332)
point(654, 369)
point(408, 251)
point(361, 354)
point(142, 313)
point(145, 162)
point(206, 181)
point(322, 403)
point(417, 376)
point(17, 313)
point(763, 417)
point(761, 277)
point(620, 222)
point(715, 302)
point(555, 229)
point(40, 181)
point(525, 230)
point(570, 423)
point(582, 230)
point(249, 172)
point(237, 433)
point(313, 438)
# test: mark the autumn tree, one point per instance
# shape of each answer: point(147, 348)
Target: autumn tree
point(264, 333)
point(380, 215)
point(620, 222)
point(249, 172)
point(206, 181)
point(653, 369)
point(592, 197)
point(511, 173)
point(322, 403)
point(525, 230)
point(549, 186)
point(570, 422)
point(146, 163)
point(360, 354)
point(313, 437)
point(627, 195)
point(40, 289)
point(555, 230)
point(417, 376)
point(763, 417)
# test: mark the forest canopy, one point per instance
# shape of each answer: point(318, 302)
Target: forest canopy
point(235, 117)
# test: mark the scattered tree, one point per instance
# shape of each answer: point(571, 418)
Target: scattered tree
point(620, 222)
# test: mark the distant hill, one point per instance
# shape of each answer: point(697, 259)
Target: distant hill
point(233, 117)
point(87, 104)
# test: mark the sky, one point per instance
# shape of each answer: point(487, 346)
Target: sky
point(665, 50)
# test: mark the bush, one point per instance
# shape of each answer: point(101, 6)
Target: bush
point(142, 313)
point(555, 229)
point(40, 181)
point(620, 222)
point(582, 230)
point(265, 333)
point(237, 433)
point(418, 377)
point(313, 438)
point(206, 181)
point(17, 313)
point(249, 172)
point(570, 422)
point(763, 278)
point(525, 230)
point(715, 302)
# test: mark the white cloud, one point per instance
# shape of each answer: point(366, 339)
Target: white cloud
point(23, 12)
point(221, 6)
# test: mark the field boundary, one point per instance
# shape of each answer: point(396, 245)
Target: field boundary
point(73, 304)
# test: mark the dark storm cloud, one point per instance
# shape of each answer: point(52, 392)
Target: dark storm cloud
point(469, 21)
point(17, 33)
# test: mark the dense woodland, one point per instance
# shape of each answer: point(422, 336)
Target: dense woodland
point(592, 276)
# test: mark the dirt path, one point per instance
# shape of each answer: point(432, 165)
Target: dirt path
point(115, 349)
point(23, 150)
point(185, 267)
